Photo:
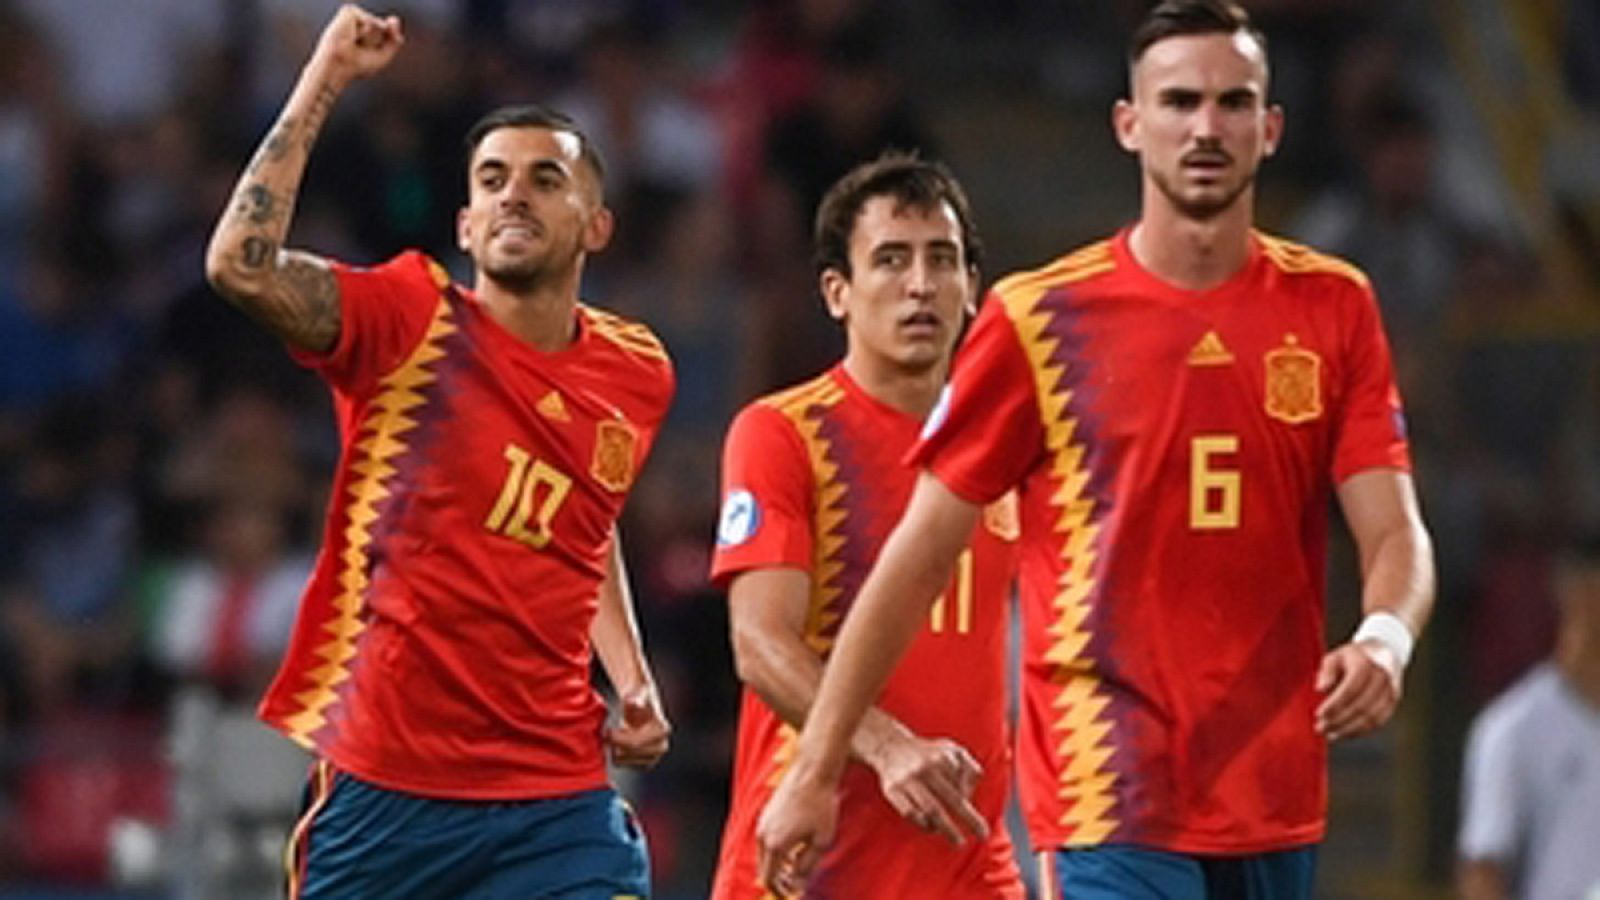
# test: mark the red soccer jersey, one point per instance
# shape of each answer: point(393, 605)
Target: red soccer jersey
point(813, 480)
point(442, 645)
point(1176, 452)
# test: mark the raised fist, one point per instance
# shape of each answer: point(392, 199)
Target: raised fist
point(356, 43)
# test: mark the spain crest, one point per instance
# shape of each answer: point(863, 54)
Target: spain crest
point(1294, 383)
point(1001, 518)
point(613, 454)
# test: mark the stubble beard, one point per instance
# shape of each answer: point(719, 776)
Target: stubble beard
point(1202, 210)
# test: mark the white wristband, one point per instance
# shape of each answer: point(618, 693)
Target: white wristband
point(1389, 629)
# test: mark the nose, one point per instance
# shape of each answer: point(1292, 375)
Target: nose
point(1207, 121)
point(919, 278)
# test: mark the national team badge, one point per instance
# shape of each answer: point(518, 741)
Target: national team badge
point(613, 454)
point(1001, 518)
point(1294, 383)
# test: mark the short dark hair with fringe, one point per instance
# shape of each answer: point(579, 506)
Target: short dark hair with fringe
point(533, 115)
point(913, 182)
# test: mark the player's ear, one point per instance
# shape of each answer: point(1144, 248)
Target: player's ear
point(1274, 130)
point(598, 230)
point(1125, 122)
point(463, 232)
point(833, 284)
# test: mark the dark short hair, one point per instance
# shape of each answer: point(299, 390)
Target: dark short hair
point(1178, 18)
point(533, 115)
point(914, 182)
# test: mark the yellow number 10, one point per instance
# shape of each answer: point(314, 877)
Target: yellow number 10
point(1213, 490)
point(518, 502)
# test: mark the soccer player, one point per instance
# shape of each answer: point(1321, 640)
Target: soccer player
point(1531, 787)
point(439, 668)
point(812, 484)
point(1177, 404)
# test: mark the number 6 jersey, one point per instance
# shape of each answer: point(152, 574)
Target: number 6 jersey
point(1176, 452)
point(442, 644)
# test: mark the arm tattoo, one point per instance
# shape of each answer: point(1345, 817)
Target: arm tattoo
point(258, 252)
point(320, 108)
point(275, 147)
point(307, 307)
point(260, 205)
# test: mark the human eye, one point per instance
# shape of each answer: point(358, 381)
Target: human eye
point(891, 258)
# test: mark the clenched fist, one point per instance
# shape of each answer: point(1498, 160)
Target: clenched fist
point(356, 44)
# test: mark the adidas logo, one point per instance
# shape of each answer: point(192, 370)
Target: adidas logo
point(552, 407)
point(1210, 352)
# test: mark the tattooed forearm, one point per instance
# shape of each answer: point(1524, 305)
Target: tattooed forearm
point(295, 295)
point(257, 252)
point(276, 147)
point(320, 107)
point(259, 204)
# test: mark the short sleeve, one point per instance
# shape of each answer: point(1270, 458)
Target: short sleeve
point(383, 314)
point(1371, 426)
point(985, 434)
point(1490, 801)
point(767, 500)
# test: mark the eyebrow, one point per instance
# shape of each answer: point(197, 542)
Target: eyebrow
point(546, 164)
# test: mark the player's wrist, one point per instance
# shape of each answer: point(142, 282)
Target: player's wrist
point(1389, 630)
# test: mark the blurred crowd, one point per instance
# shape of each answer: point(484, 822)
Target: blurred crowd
point(163, 465)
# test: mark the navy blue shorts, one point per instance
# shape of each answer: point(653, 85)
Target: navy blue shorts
point(1121, 872)
point(357, 840)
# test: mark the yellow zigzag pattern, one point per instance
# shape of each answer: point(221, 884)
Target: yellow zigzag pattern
point(1086, 784)
point(830, 512)
point(1298, 259)
point(634, 337)
point(794, 403)
point(386, 423)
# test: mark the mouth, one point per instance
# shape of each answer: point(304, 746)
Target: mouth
point(1206, 164)
point(517, 230)
point(921, 324)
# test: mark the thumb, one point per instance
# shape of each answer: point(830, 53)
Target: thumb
point(1328, 674)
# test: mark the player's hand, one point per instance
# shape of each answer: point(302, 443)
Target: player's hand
point(1362, 683)
point(795, 829)
point(929, 782)
point(641, 734)
point(356, 43)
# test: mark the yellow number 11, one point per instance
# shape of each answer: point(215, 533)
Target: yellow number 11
point(1213, 489)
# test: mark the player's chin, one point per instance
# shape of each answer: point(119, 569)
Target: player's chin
point(510, 268)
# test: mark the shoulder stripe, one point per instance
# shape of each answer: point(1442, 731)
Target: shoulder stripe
point(1298, 259)
point(1079, 265)
point(794, 401)
point(634, 337)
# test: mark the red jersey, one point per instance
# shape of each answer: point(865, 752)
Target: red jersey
point(442, 645)
point(1176, 452)
point(813, 480)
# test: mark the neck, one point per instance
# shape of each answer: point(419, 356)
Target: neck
point(911, 392)
point(543, 314)
point(1191, 253)
point(1578, 659)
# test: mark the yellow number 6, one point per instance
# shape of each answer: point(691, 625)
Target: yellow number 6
point(1213, 491)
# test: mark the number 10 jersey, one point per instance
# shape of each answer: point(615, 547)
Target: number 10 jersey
point(442, 644)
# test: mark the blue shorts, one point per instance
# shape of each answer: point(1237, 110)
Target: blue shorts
point(356, 840)
point(1121, 872)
